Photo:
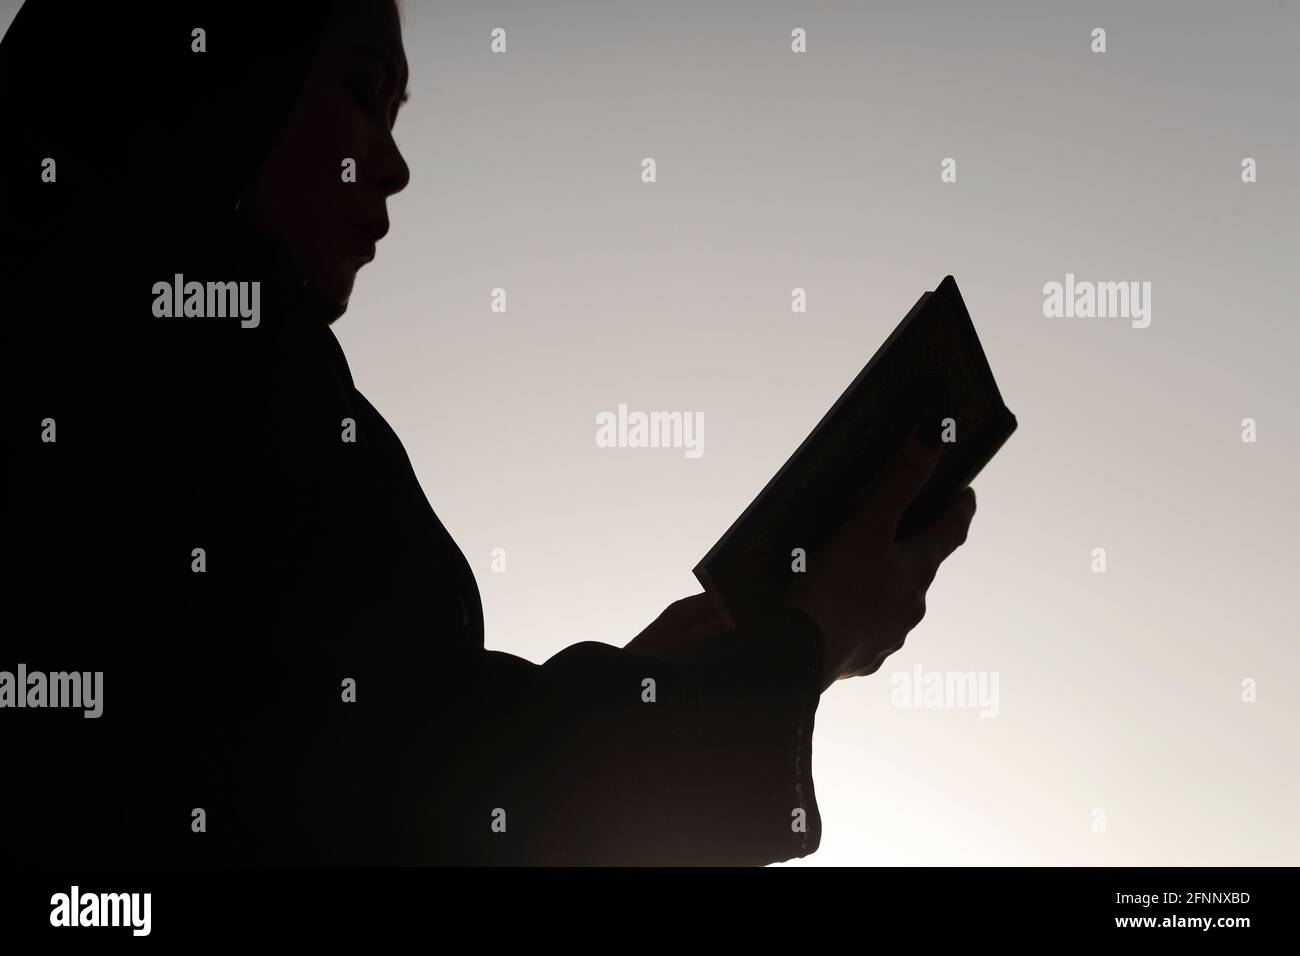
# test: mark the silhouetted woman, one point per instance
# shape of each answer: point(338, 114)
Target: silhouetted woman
point(202, 507)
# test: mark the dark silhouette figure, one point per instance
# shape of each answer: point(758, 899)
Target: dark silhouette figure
point(185, 514)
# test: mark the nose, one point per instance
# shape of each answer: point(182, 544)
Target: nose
point(394, 173)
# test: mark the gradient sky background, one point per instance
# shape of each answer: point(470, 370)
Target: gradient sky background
point(1118, 691)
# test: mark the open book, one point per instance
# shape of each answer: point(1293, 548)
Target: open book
point(932, 371)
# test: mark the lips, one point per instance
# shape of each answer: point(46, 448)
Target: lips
point(369, 234)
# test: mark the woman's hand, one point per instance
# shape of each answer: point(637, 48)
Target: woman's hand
point(865, 589)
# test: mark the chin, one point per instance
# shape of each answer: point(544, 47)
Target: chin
point(337, 287)
point(330, 293)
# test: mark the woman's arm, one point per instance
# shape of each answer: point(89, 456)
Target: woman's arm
point(701, 754)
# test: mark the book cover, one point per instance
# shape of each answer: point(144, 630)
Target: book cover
point(931, 369)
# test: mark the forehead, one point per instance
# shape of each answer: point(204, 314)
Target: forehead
point(368, 23)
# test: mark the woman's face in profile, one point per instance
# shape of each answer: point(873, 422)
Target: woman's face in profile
point(302, 194)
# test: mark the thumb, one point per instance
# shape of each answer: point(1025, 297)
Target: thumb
point(905, 476)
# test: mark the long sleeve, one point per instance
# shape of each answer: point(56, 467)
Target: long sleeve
point(702, 756)
point(581, 760)
point(304, 677)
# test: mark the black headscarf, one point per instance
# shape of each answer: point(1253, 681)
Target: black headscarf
point(153, 111)
point(152, 117)
point(153, 143)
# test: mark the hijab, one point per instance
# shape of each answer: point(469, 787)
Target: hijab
point(151, 112)
point(131, 130)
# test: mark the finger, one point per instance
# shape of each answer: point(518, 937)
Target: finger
point(910, 469)
point(947, 532)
